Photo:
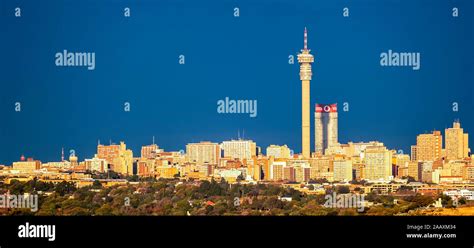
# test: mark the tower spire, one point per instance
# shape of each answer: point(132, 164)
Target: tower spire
point(305, 39)
point(62, 154)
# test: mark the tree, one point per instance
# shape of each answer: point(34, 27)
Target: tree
point(16, 187)
point(182, 207)
point(104, 210)
point(419, 200)
point(295, 195)
point(44, 186)
point(64, 187)
point(371, 196)
point(343, 189)
point(272, 203)
point(133, 178)
point(318, 181)
point(113, 175)
point(96, 184)
point(240, 178)
point(204, 186)
point(76, 211)
point(404, 188)
point(409, 178)
point(361, 182)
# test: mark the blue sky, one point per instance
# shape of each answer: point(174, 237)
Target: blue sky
point(239, 58)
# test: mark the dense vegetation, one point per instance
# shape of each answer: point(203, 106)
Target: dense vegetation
point(174, 197)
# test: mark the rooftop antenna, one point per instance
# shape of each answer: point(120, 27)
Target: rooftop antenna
point(62, 154)
point(305, 39)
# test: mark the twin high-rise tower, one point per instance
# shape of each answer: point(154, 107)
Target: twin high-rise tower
point(325, 127)
point(325, 115)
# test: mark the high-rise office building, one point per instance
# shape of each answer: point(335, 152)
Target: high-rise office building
point(241, 149)
point(302, 173)
point(413, 153)
point(415, 170)
point(456, 142)
point(28, 166)
point(356, 149)
point(150, 151)
point(96, 164)
point(305, 59)
point(400, 162)
point(278, 151)
point(378, 163)
point(429, 146)
point(343, 170)
point(203, 152)
point(289, 174)
point(325, 127)
point(118, 157)
point(276, 170)
point(321, 167)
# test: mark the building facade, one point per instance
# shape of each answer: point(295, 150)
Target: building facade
point(239, 149)
point(429, 146)
point(119, 158)
point(343, 170)
point(203, 152)
point(325, 127)
point(456, 142)
point(278, 151)
point(378, 163)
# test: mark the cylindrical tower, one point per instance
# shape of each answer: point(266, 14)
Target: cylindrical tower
point(305, 59)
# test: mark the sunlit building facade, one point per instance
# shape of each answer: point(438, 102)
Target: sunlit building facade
point(325, 127)
point(429, 146)
point(203, 152)
point(456, 142)
point(378, 163)
point(239, 149)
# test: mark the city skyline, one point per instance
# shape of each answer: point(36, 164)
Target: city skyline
point(73, 108)
point(315, 152)
point(124, 119)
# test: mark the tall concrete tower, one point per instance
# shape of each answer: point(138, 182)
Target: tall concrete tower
point(305, 59)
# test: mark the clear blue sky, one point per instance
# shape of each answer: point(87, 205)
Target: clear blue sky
point(240, 58)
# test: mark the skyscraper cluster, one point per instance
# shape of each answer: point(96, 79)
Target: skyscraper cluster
point(242, 160)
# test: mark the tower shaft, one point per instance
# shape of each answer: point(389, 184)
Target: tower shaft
point(305, 120)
